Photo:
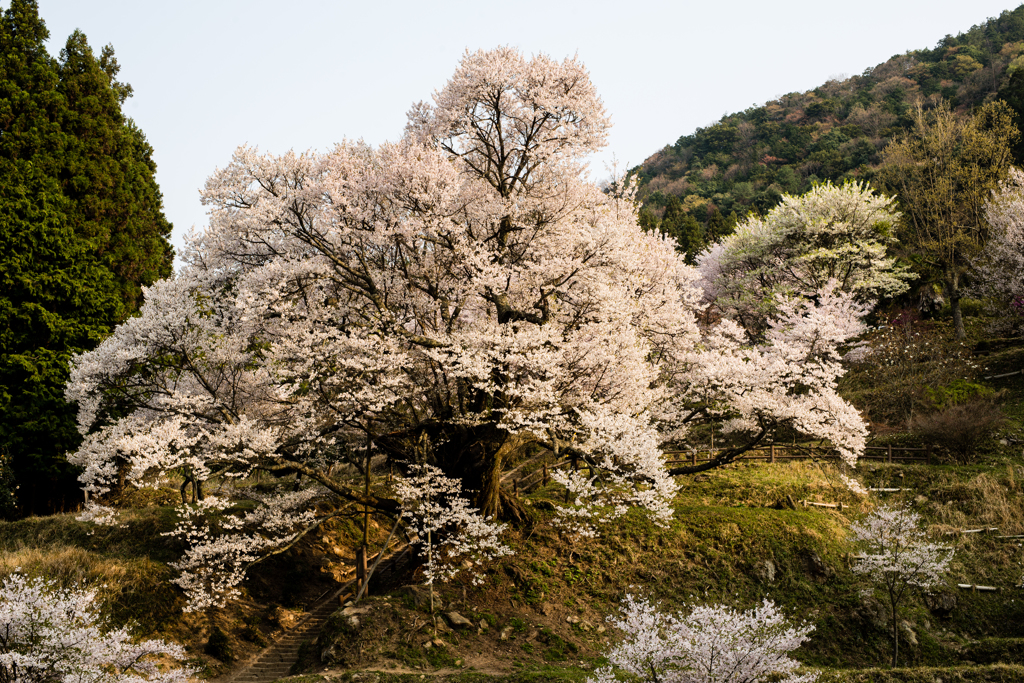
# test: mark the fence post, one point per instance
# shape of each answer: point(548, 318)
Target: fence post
point(928, 453)
point(771, 451)
point(544, 475)
point(361, 567)
point(889, 453)
point(693, 458)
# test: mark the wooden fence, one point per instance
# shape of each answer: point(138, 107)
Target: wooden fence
point(772, 453)
point(778, 453)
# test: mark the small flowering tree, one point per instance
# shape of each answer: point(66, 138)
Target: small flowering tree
point(444, 521)
point(54, 635)
point(715, 644)
point(898, 556)
point(833, 233)
point(1000, 268)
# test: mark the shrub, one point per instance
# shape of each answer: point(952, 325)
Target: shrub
point(894, 375)
point(962, 428)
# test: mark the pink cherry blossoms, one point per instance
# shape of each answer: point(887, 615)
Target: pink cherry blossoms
point(456, 298)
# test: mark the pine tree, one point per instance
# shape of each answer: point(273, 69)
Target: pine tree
point(109, 174)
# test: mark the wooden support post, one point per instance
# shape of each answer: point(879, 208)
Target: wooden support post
point(889, 453)
point(544, 475)
point(361, 568)
point(928, 453)
point(515, 488)
point(693, 457)
point(771, 451)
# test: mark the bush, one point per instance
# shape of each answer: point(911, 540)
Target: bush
point(894, 375)
point(957, 392)
point(960, 429)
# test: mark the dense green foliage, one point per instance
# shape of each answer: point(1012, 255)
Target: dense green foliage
point(836, 132)
point(81, 231)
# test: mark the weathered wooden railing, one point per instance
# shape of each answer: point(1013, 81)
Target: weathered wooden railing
point(771, 453)
point(778, 453)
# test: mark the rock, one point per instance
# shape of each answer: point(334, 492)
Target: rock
point(532, 635)
point(427, 645)
point(1004, 442)
point(921, 500)
point(546, 608)
point(701, 478)
point(940, 604)
point(572, 619)
point(458, 621)
point(908, 633)
point(483, 625)
point(600, 628)
point(352, 614)
point(418, 595)
point(817, 565)
point(873, 612)
point(285, 618)
point(506, 633)
point(438, 642)
point(765, 571)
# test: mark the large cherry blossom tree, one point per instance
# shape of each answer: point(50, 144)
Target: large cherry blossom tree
point(454, 299)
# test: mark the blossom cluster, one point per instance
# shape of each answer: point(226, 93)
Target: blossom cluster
point(455, 533)
point(711, 644)
point(48, 634)
point(840, 234)
point(898, 550)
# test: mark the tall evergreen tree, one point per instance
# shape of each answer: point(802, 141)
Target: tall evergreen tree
point(109, 174)
point(67, 240)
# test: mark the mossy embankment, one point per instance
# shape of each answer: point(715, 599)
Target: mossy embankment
point(735, 538)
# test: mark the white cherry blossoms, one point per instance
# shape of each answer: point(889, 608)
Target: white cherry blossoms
point(434, 291)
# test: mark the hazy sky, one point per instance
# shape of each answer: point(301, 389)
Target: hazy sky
point(211, 75)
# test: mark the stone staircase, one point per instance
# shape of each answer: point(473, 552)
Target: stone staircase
point(276, 660)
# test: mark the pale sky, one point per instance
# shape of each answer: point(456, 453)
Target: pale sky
point(214, 74)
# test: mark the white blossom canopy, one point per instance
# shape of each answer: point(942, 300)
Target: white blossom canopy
point(456, 298)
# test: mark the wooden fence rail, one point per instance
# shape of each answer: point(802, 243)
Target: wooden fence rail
point(777, 453)
point(773, 453)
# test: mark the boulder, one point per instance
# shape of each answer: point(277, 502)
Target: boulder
point(458, 621)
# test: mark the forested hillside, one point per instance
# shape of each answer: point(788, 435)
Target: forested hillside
point(707, 180)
